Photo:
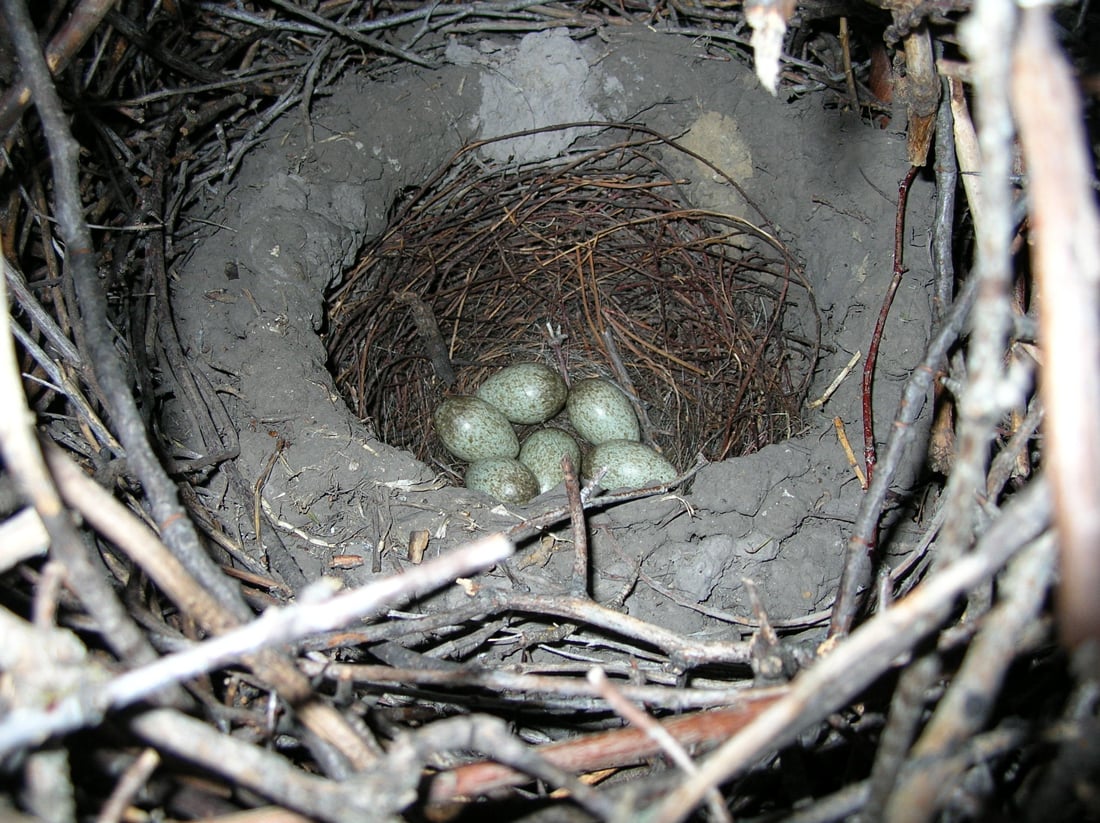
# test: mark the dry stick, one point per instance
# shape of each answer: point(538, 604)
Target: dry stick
point(579, 585)
point(116, 522)
point(274, 628)
point(350, 34)
point(920, 89)
point(941, 447)
point(987, 35)
point(856, 575)
point(124, 530)
point(869, 448)
point(47, 790)
point(138, 36)
point(131, 782)
point(65, 385)
point(658, 734)
point(604, 750)
point(39, 316)
point(846, 59)
point(627, 384)
point(684, 652)
point(1004, 465)
point(947, 182)
point(294, 622)
point(1075, 764)
point(860, 659)
point(971, 698)
point(1066, 253)
point(265, 773)
point(547, 690)
point(103, 356)
point(80, 25)
point(23, 457)
point(906, 714)
point(966, 149)
point(427, 328)
point(845, 803)
point(490, 735)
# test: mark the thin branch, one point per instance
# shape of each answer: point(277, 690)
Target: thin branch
point(1066, 255)
point(972, 695)
point(856, 575)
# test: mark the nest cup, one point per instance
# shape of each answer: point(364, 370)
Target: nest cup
point(595, 264)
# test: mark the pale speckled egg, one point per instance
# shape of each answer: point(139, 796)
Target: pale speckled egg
point(505, 479)
point(525, 393)
point(471, 429)
point(542, 452)
point(601, 412)
point(629, 465)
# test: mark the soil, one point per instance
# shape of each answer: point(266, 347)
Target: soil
point(249, 304)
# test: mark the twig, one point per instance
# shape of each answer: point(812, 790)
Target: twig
point(856, 575)
point(266, 773)
point(941, 447)
point(23, 458)
point(490, 735)
point(66, 386)
point(845, 803)
point(611, 749)
point(131, 782)
point(870, 453)
point(907, 708)
point(430, 336)
point(49, 792)
point(177, 529)
point(277, 626)
point(842, 437)
point(658, 734)
point(846, 59)
point(947, 183)
point(623, 378)
point(685, 652)
point(971, 697)
point(115, 521)
point(579, 528)
point(840, 378)
point(320, 25)
point(80, 24)
point(552, 691)
point(1066, 255)
point(986, 34)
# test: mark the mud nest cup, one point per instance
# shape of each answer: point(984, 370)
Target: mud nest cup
point(596, 264)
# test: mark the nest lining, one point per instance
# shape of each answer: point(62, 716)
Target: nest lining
point(595, 264)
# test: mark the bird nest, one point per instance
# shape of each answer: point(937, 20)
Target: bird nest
point(596, 264)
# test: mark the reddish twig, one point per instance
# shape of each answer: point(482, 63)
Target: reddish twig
point(616, 748)
point(869, 451)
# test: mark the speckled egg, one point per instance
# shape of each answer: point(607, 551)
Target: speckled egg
point(525, 393)
point(629, 465)
point(600, 412)
point(471, 429)
point(505, 479)
point(542, 452)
